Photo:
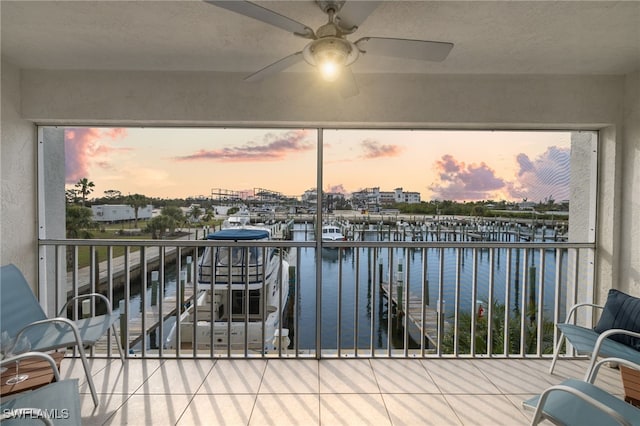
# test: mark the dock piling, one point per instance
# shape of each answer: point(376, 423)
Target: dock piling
point(123, 326)
point(183, 279)
point(86, 308)
point(400, 290)
point(189, 261)
point(154, 287)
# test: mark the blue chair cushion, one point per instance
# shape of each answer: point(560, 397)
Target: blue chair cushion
point(565, 408)
point(19, 308)
point(18, 305)
point(49, 336)
point(584, 339)
point(621, 311)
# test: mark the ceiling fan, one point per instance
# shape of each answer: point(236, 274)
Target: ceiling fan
point(329, 50)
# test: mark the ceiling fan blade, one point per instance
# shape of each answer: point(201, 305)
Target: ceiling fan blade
point(276, 67)
point(354, 13)
point(402, 48)
point(346, 84)
point(265, 15)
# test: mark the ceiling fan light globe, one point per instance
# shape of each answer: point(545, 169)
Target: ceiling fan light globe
point(330, 55)
point(330, 70)
point(330, 60)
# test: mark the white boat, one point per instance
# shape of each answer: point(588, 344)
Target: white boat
point(259, 281)
point(332, 233)
point(239, 219)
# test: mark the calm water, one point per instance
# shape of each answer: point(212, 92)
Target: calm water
point(371, 304)
point(371, 312)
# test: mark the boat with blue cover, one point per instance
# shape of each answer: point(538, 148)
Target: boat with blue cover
point(243, 290)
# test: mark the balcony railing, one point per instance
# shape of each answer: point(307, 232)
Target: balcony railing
point(344, 299)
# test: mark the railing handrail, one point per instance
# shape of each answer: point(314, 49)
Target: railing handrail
point(313, 244)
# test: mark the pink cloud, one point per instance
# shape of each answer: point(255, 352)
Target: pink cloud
point(336, 189)
point(459, 181)
point(273, 147)
point(546, 176)
point(374, 149)
point(115, 133)
point(87, 146)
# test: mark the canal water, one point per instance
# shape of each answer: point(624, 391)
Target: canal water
point(356, 298)
point(371, 304)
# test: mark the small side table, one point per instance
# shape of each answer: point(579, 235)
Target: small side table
point(39, 372)
point(631, 384)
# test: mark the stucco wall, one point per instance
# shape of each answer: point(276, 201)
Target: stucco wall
point(630, 200)
point(209, 98)
point(608, 212)
point(18, 215)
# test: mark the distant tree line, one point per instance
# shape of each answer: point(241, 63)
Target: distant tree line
point(79, 218)
point(80, 223)
point(486, 208)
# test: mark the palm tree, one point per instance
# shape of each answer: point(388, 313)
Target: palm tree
point(71, 196)
point(85, 187)
point(208, 215)
point(136, 201)
point(195, 213)
point(158, 226)
point(175, 213)
point(78, 221)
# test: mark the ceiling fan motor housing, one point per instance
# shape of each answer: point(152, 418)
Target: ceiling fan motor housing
point(330, 5)
point(336, 48)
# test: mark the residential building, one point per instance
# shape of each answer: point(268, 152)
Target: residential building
point(119, 212)
point(401, 196)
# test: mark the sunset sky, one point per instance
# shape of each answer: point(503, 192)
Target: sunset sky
point(443, 165)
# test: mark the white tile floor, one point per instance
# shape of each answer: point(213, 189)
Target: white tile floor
point(327, 392)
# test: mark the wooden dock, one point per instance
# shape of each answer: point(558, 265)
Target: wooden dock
point(414, 312)
point(151, 319)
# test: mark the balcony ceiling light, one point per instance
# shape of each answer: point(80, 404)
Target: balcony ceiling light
point(330, 55)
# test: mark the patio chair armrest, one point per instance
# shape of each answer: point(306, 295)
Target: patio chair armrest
point(63, 311)
point(613, 331)
point(605, 334)
point(26, 413)
point(575, 307)
point(44, 356)
point(579, 394)
point(65, 321)
point(594, 371)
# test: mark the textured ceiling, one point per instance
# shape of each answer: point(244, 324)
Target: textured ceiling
point(504, 37)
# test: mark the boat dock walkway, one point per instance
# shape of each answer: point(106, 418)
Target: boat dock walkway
point(83, 281)
point(461, 229)
point(136, 325)
point(414, 312)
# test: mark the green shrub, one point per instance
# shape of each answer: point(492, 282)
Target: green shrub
point(498, 334)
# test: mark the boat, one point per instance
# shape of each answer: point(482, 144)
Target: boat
point(239, 219)
point(258, 277)
point(332, 233)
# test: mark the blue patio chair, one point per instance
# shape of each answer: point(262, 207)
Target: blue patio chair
point(617, 333)
point(22, 315)
point(59, 401)
point(581, 403)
